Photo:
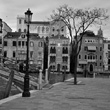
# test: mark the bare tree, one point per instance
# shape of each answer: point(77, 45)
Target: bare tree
point(78, 21)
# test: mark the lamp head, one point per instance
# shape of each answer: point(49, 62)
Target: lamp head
point(28, 16)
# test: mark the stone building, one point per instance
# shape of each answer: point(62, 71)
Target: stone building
point(42, 28)
point(15, 48)
point(58, 48)
point(5, 28)
point(58, 53)
point(106, 55)
point(91, 55)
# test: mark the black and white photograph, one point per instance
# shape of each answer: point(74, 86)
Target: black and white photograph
point(54, 55)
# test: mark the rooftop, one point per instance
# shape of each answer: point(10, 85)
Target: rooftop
point(12, 35)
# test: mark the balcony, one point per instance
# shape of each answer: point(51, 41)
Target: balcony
point(91, 60)
point(92, 48)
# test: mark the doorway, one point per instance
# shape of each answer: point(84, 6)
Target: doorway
point(91, 68)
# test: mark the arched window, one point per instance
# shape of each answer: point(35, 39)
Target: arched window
point(43, 28)
point(47, 29)
point(14, 54)
point(65, 50)
point(31, 44)
point(40, 44)
point(19, 30)
point(39, 29)
point(24, 30)
point(52, 50)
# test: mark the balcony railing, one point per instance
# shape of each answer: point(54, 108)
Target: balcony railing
point(91, 60)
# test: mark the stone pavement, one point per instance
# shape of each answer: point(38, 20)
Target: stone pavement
point(89, 94)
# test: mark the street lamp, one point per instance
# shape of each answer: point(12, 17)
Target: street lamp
point(26, 93)
point(0, 25)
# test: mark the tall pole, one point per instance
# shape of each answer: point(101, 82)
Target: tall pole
point(26, 92)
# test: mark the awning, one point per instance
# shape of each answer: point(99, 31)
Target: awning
point(82, 62)
point(79, 69)
point(92, 48)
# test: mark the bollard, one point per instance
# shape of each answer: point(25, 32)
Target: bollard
point(9, 83)
point(46, 76)
point(94, 74)
point(40, 79)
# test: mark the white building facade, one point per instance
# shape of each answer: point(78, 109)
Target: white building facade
point(42, 28)
point(106, 55)
point(5, 29)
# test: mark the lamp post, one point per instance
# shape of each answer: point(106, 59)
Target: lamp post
point(1, 25)
point(26, 93)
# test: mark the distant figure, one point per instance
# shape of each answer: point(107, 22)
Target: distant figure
point(58, 68)
point(85, 73)
point(21, 67)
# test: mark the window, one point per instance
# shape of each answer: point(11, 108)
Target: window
point(23, 43)
point(31, 44)
point(65, 50)
point(100, 64)
point(25, 30)
point(14, 54)
point(91, 57)
point(85, 56)
point(40, 44)
point(64, 67)
point(108, 46)
point(0, 51)
point(43, 29)
point(52, 67)
point(52, 59)
point(5, 53)
point(62, 29)
point(53, 29)
point(52, 35)
point(0, 41)
point(100, 57)
point(53, 50)
point(100, 48)
point(108, 67)
point(19, 21)
point(31, 54)
point(47, 29)
point(108, 54)
point(108, 61)
point(65, 59)
point(85, 48)
point(79, 56)
point(14, 43)
point(19, 30)
point(19, 43)
point(5, 43)
point(39, 29)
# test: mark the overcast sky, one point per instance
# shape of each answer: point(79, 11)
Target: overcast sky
point(10, 9)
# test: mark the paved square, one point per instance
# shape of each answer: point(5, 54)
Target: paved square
point(90, 94)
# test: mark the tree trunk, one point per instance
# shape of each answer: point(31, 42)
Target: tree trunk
point(73, 63)
point(75, 70)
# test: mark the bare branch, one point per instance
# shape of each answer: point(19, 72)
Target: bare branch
point(79, 20)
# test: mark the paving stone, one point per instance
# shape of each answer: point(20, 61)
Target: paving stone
point(90, 94)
